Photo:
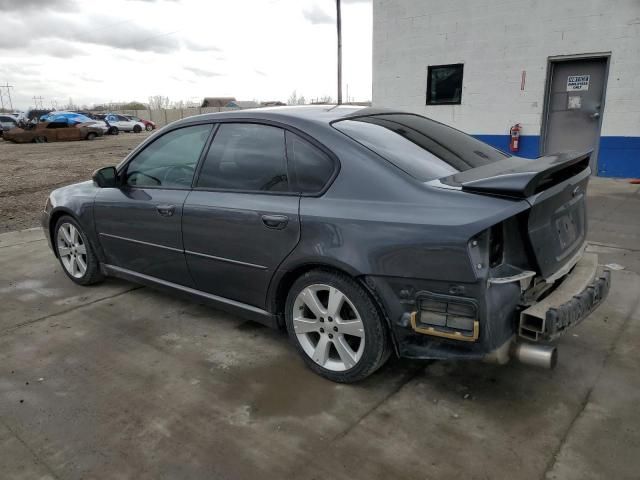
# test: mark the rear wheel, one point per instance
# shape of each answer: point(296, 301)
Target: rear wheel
point(75, 253)
point(137, 129)
point(91, 136)
point(336, 326)
point(148, 128)
point(113, 131)
point(40, 139)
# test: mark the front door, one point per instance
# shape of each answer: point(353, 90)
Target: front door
point(574, 106)
point(241, 220)
point(139, 224)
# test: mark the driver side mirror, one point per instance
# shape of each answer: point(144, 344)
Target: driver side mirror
point(106, 177)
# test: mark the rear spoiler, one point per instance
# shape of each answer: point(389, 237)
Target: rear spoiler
point(520, 177)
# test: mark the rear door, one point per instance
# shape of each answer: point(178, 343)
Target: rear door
point(241, 220)
point(139, 224)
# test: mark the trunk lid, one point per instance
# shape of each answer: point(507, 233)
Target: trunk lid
point(555, 186)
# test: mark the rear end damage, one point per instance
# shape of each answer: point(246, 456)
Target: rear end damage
point(534, 281)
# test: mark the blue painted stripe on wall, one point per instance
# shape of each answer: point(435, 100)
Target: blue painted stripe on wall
point(618, 156)
point(528, 144)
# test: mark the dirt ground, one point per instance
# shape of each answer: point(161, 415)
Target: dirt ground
point(28, 172)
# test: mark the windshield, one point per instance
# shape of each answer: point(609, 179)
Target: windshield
point(423, 148)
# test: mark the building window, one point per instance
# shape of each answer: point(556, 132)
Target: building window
point(444, 84)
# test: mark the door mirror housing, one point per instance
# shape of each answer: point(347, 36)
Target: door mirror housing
point(106, 177)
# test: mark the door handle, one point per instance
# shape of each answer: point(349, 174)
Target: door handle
point(166, 210)
point(275, 221)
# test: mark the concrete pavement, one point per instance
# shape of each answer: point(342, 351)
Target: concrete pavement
point(118, 381)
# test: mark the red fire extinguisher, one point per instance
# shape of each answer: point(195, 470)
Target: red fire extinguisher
point(514, 133)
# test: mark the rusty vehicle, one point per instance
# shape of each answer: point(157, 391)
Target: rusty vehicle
point(54, 132)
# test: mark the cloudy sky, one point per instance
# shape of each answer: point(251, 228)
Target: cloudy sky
point(95, 51)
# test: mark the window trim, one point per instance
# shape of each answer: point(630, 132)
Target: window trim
point(429, 101)
point(124, 165)
point(286, 128)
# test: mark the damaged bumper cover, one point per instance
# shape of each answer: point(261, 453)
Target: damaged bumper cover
point(584, 288)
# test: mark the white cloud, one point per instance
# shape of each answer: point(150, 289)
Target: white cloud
point(246, 48)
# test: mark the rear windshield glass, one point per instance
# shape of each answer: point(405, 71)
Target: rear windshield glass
point(421, 147)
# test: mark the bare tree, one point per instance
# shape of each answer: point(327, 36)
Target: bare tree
point(293, 99)
point(158, 102)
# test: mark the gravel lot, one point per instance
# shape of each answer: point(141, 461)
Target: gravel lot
point(28, 172)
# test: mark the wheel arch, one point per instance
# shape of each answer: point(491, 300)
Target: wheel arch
point(281, 285)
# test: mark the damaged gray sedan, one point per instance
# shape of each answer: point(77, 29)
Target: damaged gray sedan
point(364, 233)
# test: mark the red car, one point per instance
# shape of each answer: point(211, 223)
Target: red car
point(148, 124)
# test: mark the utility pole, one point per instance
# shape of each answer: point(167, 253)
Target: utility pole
point(38, 103)
point(339, 26)
point(6, 94)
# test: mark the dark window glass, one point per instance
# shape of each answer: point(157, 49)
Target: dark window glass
point(311, 167)
point(169, 161)
point(421, 147)
point(444, 84)
point(246, 156)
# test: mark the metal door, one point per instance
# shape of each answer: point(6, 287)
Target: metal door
point(574, 105)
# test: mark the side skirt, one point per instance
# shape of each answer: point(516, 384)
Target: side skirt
point(221, 303)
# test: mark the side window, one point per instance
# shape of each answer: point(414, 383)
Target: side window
point(123, 119)
point(246, 156)
point(170, 161)
point(111, 118)
point(311, 168)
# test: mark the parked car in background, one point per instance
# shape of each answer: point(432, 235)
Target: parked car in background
point(44, 132)
point(74, 118)
point(120, 123)
point(7, 122)
point(148, 124)
point(363, 232)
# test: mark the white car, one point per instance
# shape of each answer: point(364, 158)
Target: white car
point(120, 123)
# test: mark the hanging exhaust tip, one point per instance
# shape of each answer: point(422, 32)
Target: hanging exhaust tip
point(544, 356)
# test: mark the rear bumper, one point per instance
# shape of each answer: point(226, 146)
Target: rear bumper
point(581, 292)
point(493, 319)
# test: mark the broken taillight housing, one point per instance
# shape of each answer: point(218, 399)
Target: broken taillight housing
point(496, 245)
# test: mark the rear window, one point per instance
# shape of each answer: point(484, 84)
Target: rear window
point(420, 147)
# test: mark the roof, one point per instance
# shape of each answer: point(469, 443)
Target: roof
point(217, 101)
point(242, 104)
point(312, 113)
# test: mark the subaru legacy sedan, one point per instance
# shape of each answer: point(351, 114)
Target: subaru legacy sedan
point(362, 232)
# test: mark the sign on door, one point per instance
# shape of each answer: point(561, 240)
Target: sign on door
point(578, 82)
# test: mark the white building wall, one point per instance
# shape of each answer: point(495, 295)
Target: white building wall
point(496, 40)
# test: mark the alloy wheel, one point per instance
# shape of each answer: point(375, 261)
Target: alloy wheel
point(328, 327)
point(72, 250)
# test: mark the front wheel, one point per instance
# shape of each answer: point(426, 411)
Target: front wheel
point(75, 253)
point(148, 128)
point(91, 136)
point(113, 131)
point(137, 129)
point(336, 326)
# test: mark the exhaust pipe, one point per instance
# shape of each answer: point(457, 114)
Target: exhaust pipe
point(544, 356)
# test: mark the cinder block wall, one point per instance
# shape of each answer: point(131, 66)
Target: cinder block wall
point(496, 41)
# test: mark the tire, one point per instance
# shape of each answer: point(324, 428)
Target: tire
point(113, 131)
point(40, 139)
point(137, 129)
point(148, 128)
point(91, 136)
point(69, 237)
point(341, 357)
